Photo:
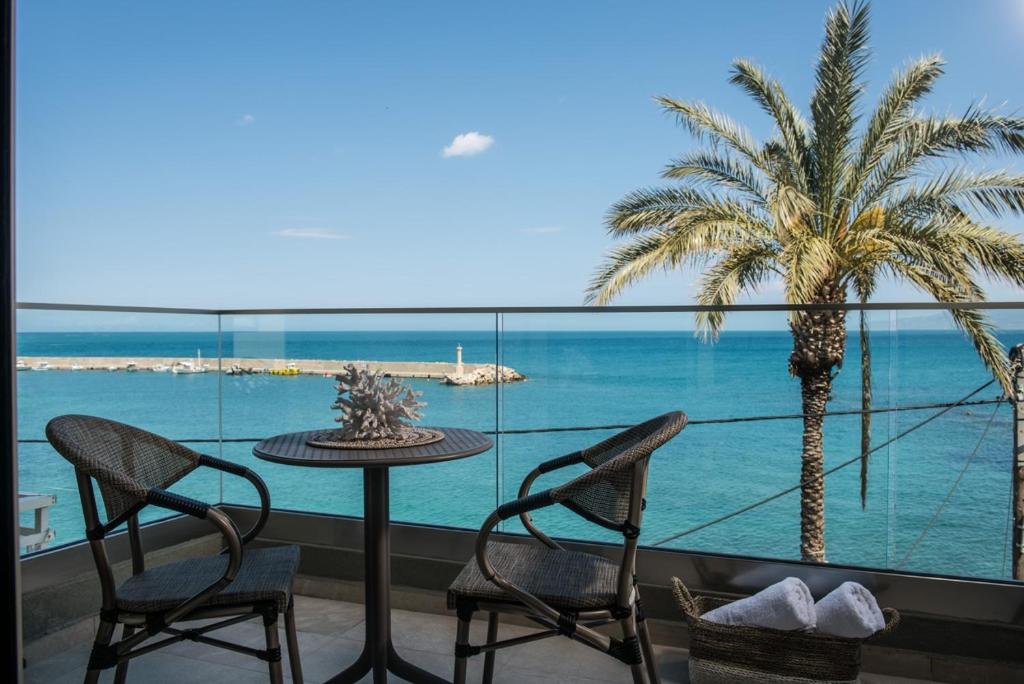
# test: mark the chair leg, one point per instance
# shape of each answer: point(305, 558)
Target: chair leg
point(273, 646)
point(465, 615)
point(629, 637)
point(646, 647)
point(122, 668)
point(492, 636)
point(104, 634)
point(293, 643)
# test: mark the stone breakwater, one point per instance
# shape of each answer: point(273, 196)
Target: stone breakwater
point(472, 373)
point(484, 375)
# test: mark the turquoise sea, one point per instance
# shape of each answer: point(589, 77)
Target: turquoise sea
point(583, 378)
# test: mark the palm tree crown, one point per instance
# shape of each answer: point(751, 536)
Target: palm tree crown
point(830, 205)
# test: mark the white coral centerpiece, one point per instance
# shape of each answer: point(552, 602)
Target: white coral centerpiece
point(375, 407)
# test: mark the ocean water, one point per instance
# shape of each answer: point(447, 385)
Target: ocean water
point(583, 378)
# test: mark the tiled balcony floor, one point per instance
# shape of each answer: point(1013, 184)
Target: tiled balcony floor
point(331, 635)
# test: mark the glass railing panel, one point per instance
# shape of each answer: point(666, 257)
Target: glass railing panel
point(81, 362)
point(741, 451)
point(951, 479)
point(938, 486)
point(418, 348)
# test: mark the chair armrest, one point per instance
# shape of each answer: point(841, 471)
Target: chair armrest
point(177, 503)
point(198, 509)
point(547, 467)
point(563, 623)
point(257, 482)
point(504, 512)
point(524, 491)
point(524, 504)
point(560, 462)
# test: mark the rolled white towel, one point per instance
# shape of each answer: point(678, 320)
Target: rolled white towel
point(786, 605)
point(849, 611)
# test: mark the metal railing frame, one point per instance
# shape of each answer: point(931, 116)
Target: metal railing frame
point(681, 308)
point(499, 310)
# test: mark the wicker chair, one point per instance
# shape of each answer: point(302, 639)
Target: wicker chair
point(133, 468)
point(568, 592)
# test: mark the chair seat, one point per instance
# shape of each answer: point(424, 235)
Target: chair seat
point(570, 581)
point(265, 575)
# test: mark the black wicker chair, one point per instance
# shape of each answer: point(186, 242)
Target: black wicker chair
point(133, 468)
point(568, 592)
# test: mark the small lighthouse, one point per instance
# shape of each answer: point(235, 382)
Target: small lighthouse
point(458, 359)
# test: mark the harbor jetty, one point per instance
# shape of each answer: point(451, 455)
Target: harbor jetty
point(449, 373)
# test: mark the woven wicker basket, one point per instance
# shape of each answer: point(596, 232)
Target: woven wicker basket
point(735, 654)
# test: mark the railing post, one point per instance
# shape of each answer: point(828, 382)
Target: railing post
point(1017, 474)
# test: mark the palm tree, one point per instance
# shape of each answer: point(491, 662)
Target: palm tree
point(830, 207)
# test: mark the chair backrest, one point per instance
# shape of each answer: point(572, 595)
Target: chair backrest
point(125, 461)
point(612, 493)
point(618, 473)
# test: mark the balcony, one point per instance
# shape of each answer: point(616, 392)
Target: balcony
point(933, 535)
point(331, 636)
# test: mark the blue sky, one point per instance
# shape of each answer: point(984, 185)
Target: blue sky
point(269, 154)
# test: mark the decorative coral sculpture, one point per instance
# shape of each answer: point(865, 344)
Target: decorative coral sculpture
point(375, 407)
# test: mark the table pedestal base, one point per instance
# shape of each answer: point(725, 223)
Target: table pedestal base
point(379, 655)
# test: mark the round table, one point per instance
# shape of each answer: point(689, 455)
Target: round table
point(291, 449)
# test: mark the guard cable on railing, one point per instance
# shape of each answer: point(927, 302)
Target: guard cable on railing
point(944, 408)
point(844, 464)
point(949, 495)
point(752, 419)
point(623, 426)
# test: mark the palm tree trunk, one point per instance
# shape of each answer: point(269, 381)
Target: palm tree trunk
point(815, 389)
point(819, 343)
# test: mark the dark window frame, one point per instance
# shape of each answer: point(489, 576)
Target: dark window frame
point(11, 657)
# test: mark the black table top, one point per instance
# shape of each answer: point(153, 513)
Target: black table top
point(291, 449)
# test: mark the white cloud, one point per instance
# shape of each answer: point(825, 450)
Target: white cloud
point(245, 120)
point(312, 234)
point(543, 230)
point(468, 144)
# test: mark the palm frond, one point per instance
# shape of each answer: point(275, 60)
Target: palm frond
point(792, 211)
point(769, 93)
point(630, 262)
point(992, 192)
point(925, 138)
point(974, 323)
point(925, 247)
point(993, 251)
point(718, 169)
point(844, 54)
point(690, 236)
point(959, 243)
point(653, 208)
point(865, 404)
point(657, 208)
point(980, 330)
point(892, 113)
point(705, 123)
point(864, 282)
point(810, 264)
point(743, 268)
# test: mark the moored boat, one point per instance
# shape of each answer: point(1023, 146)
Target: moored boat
point(290, 369)
point(189, 368)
